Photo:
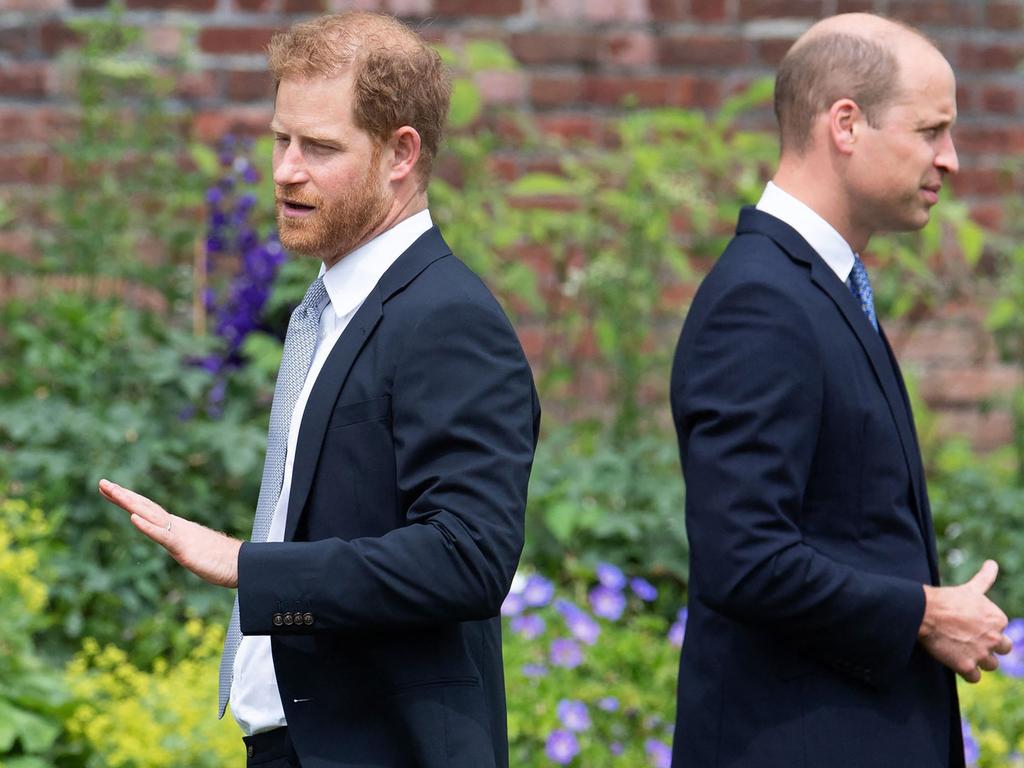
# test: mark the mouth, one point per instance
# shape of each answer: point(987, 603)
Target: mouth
point(931, 193)
point(293, 208)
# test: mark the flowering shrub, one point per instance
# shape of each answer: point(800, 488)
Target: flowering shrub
point(993, 710)
point(590, 673)
point(31, 694)
point(163, 718)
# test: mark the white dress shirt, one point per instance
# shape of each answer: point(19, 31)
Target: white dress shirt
point(255, 698)
point(821, 235)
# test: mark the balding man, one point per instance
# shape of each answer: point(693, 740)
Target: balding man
point(390, 516)
point(818, 636)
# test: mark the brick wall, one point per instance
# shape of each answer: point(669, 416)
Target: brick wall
point(580, 59)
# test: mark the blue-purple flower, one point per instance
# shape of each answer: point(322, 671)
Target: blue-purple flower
point(971, 750)
point(610, 576)
point(530, 626)
point(677, 632)
point(1013, 662)
point(643, 589)
point(534, 670)
point(538, 591)
point(607, 603)
point(513, 604)
point(579, 622)
point(561, 747)
point(566, 653)
point(608, 704)
point(659, 753)
point(573, 714)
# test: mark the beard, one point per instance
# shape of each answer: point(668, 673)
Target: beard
point(337, 226)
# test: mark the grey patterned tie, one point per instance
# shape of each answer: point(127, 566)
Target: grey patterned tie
point(299, 345)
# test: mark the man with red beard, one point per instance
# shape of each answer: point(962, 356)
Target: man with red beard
point(390, 517)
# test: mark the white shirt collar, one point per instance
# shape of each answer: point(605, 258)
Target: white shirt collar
point(819, 234)
point(350, 281)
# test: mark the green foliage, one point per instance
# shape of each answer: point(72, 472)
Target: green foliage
point(33, 698)
point(161, 718)
point(596, 501)
point(102, 390)
point(124, 204)
point(994, 708)
point(626, 680)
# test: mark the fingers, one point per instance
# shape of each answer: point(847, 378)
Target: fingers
point(157, 533)
point(135, 503)
point(972, 675)
point(985, 577)
point(1004, 646)
point(990, 663)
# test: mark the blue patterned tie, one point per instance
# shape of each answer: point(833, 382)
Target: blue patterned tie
point(299, 346)
point(860, 286)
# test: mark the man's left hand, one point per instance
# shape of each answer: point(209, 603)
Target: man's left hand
point(209, 554)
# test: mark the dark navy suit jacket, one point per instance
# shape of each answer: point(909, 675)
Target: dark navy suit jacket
point(405, 526)
point(809, 527)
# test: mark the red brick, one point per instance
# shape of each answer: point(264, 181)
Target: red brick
point(410, 8)
point(972, 181)
point(555, 90)
point(89, 3)
point(24, 80)
point(252, 5)
point(616, 91)
point(855, 6)
point(197, 85)
point(235, 39)
point(771, 51)
point(554, 48)
point(305, 6)
point(964, 98)
point(18, 41)
point(245, 121)
point(1000, 99)
point(986, 430)
point(931, 13)
point(249, 85)
point(629, 49)
point(28, 169)
point(570, 126)
point(604, 11)
point(176, 5)
point(1000, 139)
point(1005, 15)
point(708, 10)
point(54, 36)
point(947, 344)
point(969, 386)
point(163, 40)
point(33, 5)
point(692, 91)
point(478, 7)
point(767, 9)
point(989, 214)
point(703, 51)
point(990, 56)
point(668, 10)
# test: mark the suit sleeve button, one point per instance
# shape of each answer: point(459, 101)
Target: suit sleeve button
point(278, 621)
point(287, 619)
point(308, 618)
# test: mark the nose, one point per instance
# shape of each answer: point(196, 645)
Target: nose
point(289, 166)
point(946, 159)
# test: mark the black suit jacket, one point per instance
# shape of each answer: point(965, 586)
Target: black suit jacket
point(405, 526)
point(809, 526)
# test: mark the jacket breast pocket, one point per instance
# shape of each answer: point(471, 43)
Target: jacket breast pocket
point(347, 414)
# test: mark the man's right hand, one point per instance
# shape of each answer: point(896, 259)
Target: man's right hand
point(962, 628)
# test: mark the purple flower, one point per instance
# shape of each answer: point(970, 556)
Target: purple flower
point(579, 622)
point(610, 576)
point(513, 604)
point(1013, 663)
point(573, 714)
point(608, 704)
point(607, 603)
point(566, 653)
point(677, 633)
point(529, 626)
point(534, 670)
point(214, 195)
point(616, 748)
point(643, 589)
point(561, 747)
point(538, 591)
point(659, 753)
point(971, 750)
point(250, 175)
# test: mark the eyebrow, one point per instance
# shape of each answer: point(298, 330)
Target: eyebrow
point(311, 138)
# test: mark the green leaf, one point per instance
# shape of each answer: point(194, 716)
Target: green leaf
point(972, 241)
point(489, 55)
point(467, 104)
point(205, 159)
point(540, 184)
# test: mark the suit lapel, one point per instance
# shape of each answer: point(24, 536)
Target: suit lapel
point(428, 248)
point(874, 344)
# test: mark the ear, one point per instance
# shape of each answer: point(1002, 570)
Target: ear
point(844, 124)
point(405, 146)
